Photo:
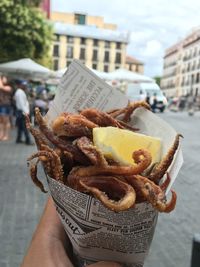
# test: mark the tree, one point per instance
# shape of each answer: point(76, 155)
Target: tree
point(24, 31)
point(157, 79)
point(35, 3)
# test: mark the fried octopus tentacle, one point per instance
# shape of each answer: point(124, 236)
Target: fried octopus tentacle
point(166, 182)
point(33, 174)
point(149, 170)
point(127, 126)
point(128, 110)
point(92, 152)
point(56, 164)
point(100, 118)
point(162, 167)
point(112, 192)
point(38, 136)
point(141, 157)
point(117, 112)
point(132, 106)
point(64, 145)
point(74, 125)
point(153, 193)
point(51, 163)
point(103, 119)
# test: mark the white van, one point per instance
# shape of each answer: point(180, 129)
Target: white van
point(140, 91)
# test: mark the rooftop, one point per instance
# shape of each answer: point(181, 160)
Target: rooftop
point(88, 31)
point(130, 59)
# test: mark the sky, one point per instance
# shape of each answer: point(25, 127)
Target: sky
point(153, 25)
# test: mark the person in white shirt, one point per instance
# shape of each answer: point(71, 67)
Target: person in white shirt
point(22, 108)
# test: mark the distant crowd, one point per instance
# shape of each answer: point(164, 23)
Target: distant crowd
point(186, 102)
point(17, 98)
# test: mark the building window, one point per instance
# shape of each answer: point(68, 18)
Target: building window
point(83, 41)
point(82, 53)
point(80, 19)
point(94, 66)
point(68, 63)
point(70, 39)
point(69, 52)
point(95, 42)
point(118, 45)
point(188, 67)
point(118, 58)
point(197, 78)
point(106, 68)
point(95, 55)
point(55, 64)
point(192, 79)
point(107, 44)
point(56, 50)
point(195, 52)
point(106, 56)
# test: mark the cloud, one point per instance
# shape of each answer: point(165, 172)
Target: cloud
point(153, 48)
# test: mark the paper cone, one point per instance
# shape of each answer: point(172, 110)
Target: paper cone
point(96, 233)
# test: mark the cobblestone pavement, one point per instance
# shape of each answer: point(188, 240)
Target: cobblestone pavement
point(172, 243)
point(21, 203)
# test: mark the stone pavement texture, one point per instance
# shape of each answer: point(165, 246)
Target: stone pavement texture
point(172, 243)
point(21, 203)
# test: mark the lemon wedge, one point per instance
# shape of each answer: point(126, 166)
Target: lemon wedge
point(119, 144)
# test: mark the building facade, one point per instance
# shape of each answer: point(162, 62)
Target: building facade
point(88, 38)
point(181, 69)
point(134, 65)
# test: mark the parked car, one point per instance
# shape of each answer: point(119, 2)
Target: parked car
point(150, 92)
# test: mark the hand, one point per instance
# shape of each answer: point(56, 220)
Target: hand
point(50, 246)
point(49, 241)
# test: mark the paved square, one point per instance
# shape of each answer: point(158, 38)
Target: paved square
point(21, 203)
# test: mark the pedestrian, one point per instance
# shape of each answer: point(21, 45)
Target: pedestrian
point(5, 108)
point(50, 245)
point(42, 104)
point(22, 109)
point(154, 102)
point(147, 99)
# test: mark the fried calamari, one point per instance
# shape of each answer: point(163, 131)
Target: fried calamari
point(67, 153)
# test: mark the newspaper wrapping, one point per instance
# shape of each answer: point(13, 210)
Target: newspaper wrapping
point(95, 232)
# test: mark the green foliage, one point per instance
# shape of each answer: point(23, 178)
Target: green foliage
point(24, 32)
point(157, 79)
point(35, 3)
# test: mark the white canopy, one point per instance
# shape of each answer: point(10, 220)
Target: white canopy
point(25, 67)
point(129, 76)
point(100, 74)
point(117, 75)
point(60, 73)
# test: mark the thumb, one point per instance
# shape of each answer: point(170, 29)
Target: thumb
point(104, 264)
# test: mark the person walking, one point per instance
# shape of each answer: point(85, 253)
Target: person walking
point(154, 103)
point(22, 109)
point(5, 108)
